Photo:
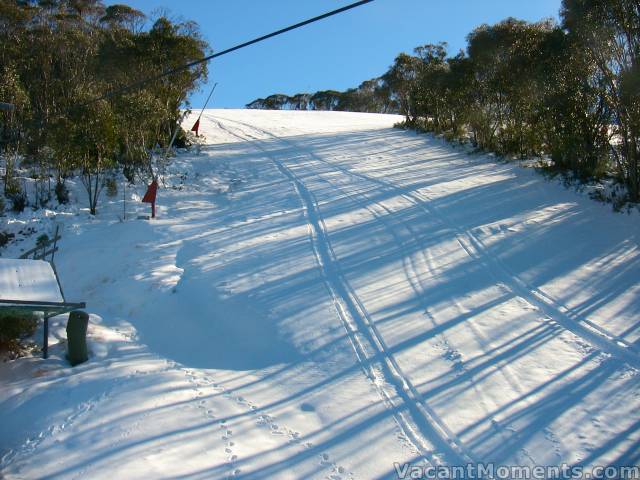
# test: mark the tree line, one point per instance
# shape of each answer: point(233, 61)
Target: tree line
point(569, 90)
point(56, 58)
point(371, 96)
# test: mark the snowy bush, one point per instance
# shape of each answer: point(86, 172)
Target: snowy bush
point(112, 187)
point(18, 201)
point(62, 193)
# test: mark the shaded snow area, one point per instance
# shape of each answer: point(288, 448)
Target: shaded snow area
point(323, 296)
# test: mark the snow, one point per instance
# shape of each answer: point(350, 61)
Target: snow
point(322, 296)
point(32, 280)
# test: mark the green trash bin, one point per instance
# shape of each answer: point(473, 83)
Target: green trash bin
point(77, 337)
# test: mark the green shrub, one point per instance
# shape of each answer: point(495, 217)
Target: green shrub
point(182, 139)
point(14, 328)
point(451, 136)
point(42, 240)
point(4, 238)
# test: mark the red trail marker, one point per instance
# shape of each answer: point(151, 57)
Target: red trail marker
point(196, 126)
point(150, 197)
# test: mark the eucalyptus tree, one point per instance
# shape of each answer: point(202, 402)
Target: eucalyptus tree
point(325, 100)
point(401, 79)
point(429, 87)
point(58, 56)
point(609, 32)
point(507, 98)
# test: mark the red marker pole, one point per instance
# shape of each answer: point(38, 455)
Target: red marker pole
point(196, 125)
point(150, 197)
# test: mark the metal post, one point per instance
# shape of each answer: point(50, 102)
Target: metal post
point(55, 243)
point(45, 343)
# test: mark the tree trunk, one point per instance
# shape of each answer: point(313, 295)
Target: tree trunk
point(633, 168)
point(94, 203)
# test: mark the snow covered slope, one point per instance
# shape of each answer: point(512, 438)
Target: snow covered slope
point(323, 296)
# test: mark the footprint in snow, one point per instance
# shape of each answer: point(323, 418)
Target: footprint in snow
point(337, 471)
point(262, 420)
point(231, 457)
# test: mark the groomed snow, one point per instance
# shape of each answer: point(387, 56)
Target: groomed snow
point(323, 296)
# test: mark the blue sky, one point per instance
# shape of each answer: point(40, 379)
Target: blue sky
point(337, 53)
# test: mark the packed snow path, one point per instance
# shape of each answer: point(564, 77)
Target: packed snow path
point(323, 296)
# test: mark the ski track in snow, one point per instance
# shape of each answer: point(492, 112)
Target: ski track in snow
point(315, 231)
point(438, 434)
point(416, 283)
point(475, 249)
point(359, 324)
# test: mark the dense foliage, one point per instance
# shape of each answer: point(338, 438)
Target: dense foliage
point(57, 57)
point(569, 91)
point(13, 328)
